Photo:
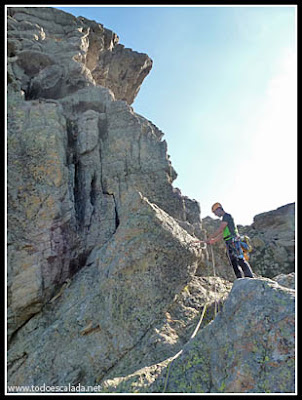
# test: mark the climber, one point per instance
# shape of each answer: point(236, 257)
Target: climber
point(229, 232)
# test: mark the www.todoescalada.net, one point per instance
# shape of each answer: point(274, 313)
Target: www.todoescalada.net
point(55, 388)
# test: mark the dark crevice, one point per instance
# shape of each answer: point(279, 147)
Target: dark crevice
point(117, 220)
point(93, 191)
point(73, 158)
point(29, 93)
point(103, 128)
point(77, 193)
point(78, 263)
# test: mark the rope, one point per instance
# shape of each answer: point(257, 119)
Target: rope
point(202, 315)
point(179, 353)
point(214, 274)
point(204, 247)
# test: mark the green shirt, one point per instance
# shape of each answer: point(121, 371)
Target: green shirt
point(230, 231)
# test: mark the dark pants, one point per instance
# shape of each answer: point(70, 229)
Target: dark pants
point(237, 260)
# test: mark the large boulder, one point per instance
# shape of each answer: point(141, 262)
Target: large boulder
point(248, 348)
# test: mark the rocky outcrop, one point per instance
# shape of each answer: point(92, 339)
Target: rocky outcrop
point(89, 185)
point(52, 54)
point(273, 239)
point(248, 348)
point(103, 275)
point(287, 280)
point(74, 150)
point(126, 284)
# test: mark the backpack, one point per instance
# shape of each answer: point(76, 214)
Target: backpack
point(246, 247)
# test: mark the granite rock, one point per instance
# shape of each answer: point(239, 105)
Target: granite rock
point(75, 147)
point(53, 54)
point(248, 348)
point(110, 304)
point(105, 281)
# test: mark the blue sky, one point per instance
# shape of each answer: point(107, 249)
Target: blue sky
point(223, 91)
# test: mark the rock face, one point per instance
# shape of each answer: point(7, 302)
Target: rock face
point(248, 348)
point(111, 298)
point(102, 266)
point(273, 239)
point(53, 54)
point(74, 149)
point(286, 280)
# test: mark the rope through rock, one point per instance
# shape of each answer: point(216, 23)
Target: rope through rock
point(179, 353)
point(204, 247)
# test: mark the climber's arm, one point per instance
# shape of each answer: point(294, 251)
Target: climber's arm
point(217, 235)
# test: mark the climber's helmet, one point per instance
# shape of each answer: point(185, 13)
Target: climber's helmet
point(216, 206)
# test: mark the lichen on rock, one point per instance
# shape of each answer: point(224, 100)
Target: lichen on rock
point(105, 282)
